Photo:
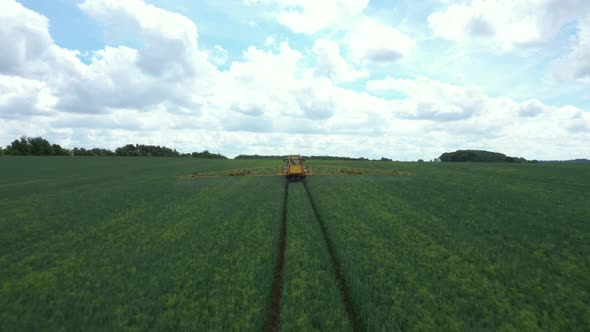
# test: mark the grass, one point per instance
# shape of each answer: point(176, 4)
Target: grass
point(117, 243)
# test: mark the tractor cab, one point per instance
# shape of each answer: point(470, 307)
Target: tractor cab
point(295, 167)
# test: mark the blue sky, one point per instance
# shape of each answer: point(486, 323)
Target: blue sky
point(408, 79)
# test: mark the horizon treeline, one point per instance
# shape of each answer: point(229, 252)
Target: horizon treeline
point(479, 156)
point(38, 146)
point(257, 156)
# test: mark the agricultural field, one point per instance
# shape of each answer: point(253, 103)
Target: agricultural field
point(113, 243)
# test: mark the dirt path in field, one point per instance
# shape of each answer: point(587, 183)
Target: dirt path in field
point(272, 322)
point(352, 312)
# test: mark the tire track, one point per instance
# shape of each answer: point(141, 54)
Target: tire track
point(272, 322)
point(351, 311)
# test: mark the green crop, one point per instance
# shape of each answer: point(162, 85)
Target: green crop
point(464, 246)
point(311, 300)
point(119, 244)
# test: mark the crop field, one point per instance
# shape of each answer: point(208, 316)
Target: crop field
point(107, 243)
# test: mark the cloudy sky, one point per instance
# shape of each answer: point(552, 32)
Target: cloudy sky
point(402, 79)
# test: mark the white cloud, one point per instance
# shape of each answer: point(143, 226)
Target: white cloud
point(269, 40)
point(21, 98)
point(506, 24)
point(311, 16)
point(373, 41)
point(532, 108)
point(268, 101)
point(502, 22)
point(466, 114)
point(27, 48)
point(21, 45)
point(330, 64)
point(576, 65)
point(169, 39)
point(432, 100)
point(218, 55)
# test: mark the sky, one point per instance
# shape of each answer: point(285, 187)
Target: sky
point(375, 78)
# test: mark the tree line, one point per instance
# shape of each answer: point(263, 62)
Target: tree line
point(38, 146)
point(478, 156)
point(257, 156)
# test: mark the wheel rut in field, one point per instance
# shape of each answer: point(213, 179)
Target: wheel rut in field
point(351, 311)
point(272, 323)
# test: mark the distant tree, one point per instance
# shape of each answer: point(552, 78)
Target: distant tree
point(19, 147)
point(40, 147)
point(94, 152)
point(256, 156)
point(420, 160)
point(127, 150)
point(137, 150)
point(207, 155)
point(59, 151)
point(385, 159)
point(79, 152)
point(478, 156)
point(36, 146)
point(1, 151)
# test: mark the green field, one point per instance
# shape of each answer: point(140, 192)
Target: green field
point(108, 243)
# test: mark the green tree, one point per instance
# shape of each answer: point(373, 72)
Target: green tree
point(59, 151)
point(19, 147)
point(478, 156)
point(36, 146)
point(40, 146)
point(208, 155)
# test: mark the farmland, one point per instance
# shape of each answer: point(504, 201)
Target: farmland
point(119, 243)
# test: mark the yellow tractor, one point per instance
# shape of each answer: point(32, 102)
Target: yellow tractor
point(294, 169)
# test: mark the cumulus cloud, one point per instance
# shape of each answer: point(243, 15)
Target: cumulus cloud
point(27, 47)
point(169, 39)
point(266, 101)
point(169, 69)
point(28, 43)
point(261, 84)
point(218, 55)
point(432, 100)
point(466, 111)
point(21, 98)
point(502, 22)
point(331, 64)
point(575, 66)
point(532, 108)
point(506, 24)
point(310, 16)
point(373, 41)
